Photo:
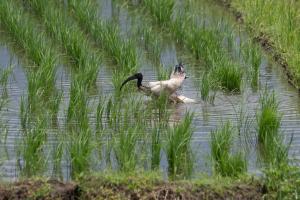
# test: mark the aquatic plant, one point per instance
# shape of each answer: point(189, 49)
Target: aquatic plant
point(228, 76)
point(33, 42)
point(178, 148)
point(31, 148)
point(106, 35)
point(70, 37)
point(274, 24)
point(125, 148)
point(80, 148)
point(268, 118)
point(161, 10)
point(226, 163)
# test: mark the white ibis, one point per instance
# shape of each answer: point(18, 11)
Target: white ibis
point(168, 87)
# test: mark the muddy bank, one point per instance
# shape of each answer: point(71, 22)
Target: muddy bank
point(101, 188)
point(265, 41)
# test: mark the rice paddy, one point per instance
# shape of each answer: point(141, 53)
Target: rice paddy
point(63, 114)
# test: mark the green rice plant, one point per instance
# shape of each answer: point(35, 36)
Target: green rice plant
point(225, 163)
point(228, 76)
point(272, 148)
point(33, 42)
point(268, 118)
point(100, 113)
point(161, 10)
point(275, 22)
point(57, 155)
point(125, 148)
point(178, 148)
point(252, 55)
point(106, 35)
point(4, 75)
point(150, 40)
point(80, 148)
point(77, 111)
point(156, 146)
point(208, 88)
point(31, 150)
point(70, 37)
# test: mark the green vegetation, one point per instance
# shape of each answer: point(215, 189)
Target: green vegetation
point(99, 128)
point(70, 37)
point(275, 22)
point(178, 149)
point(106, 35)
point(225, 162)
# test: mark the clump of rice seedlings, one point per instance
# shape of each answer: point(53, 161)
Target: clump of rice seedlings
point(100, 114)
point(156, 146)
point(270, 142)
point(255, 65)
point(77, 111)
point(178, 149)
point(57, 154)
point(4, 75)
point(125, 148)
point(70, 37)
point(31, 150)
point(151, 41)
point(265, 18)
point(80, 148)
point(161, 10)
point(207, 88)
point(268, 119)
point(252, 55)
point(226, 163)
point(105, 35)
point(228, 76)
point(41, 77)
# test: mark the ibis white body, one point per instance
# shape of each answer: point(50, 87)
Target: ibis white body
point(169, 87)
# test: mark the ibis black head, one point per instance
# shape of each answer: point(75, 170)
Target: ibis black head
point(138, 76)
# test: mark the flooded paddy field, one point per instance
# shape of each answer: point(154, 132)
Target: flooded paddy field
point(62, 112)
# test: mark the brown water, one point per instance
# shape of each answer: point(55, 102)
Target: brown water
point(207, 116)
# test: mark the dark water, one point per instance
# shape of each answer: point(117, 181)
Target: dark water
point(207, 116)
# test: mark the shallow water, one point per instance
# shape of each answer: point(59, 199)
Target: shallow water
point(207, 116)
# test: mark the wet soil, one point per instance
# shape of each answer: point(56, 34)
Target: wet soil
point(95, 188)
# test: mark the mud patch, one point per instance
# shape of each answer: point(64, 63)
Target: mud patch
point(39, 189)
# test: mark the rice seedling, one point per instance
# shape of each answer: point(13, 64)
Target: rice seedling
point(225, 163)
point(77, 111)
point(106, 35)
point(125, 148)
point(100, 114)
point(31, 149)
point(207, 88)
point(80, 148)
point(272, 148)
point(70, 37)
point(275, 22)
point(268, 119)
point(252, 55)
point(156, 146)
point(4, 75)
point(57, 155)
point(161, 10)
point(178, 148)
point(41, 77)
point(151, 41)
point(228, 76)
